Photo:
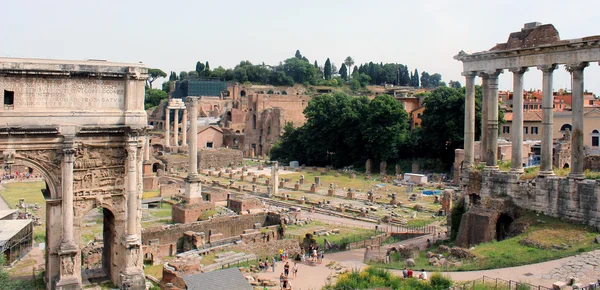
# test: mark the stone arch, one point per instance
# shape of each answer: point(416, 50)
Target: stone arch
point(565, 127)
point(52, 181)
point(243, 93)
point(503, 226)
point(566, 165)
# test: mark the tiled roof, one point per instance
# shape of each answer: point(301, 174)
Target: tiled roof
point(528, 116)
point(226, 279)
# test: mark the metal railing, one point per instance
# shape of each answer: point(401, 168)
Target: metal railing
point(498, 284)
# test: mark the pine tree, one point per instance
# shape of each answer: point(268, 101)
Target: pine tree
point(199, 68)
point(416, 80)
point(327, 69)
point(173, 76)
point(298, 55)
point(316, 65)
point(207, 69)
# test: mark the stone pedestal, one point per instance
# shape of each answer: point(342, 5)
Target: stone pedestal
point(350, 194)
point(193, 189)
point(133, 276)
point(70, 277)
point(330, 192)
point(317, 181)
point(313, 188)
point(394, 201)
point(297, 186)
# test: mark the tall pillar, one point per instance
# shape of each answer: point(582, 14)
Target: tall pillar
point(517, 122)
point(491, 153)
point(132, 276)
point(484, 117)
point(577, 155)
point(547, 120)
point(176, 128)
point(469, 118)
point(193, 187)
point(275, 177)
point(167, 127)
point(147, 148)
point(131, 186)
point(184, 128)
point(70, 277)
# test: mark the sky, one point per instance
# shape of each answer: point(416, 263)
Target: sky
point(174, 35)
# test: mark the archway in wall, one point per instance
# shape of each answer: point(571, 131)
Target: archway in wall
point(503, 227)
point(96, 243)
point(243, 93)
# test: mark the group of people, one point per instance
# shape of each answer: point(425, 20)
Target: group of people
point(315, 254)
point(408, 273)
point(284, 282)
point(264, 266)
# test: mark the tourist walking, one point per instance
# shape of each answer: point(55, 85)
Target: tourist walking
point(295, 269)
point(286, 269)
point(273, 264)
point(405, 273)
point(281, 279)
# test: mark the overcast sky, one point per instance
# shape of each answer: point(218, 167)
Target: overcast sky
point(173, 35)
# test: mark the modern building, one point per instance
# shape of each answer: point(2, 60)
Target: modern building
point(16, 239)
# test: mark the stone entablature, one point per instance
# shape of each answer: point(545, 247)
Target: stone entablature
point(92, 93)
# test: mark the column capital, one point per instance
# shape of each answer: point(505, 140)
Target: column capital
point(518, 70)
point(492, 74)
point(469, 74)
point(547, 68)
point(576, 66)
point(192, 101)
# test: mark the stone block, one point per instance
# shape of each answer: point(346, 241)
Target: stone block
point(559, 285)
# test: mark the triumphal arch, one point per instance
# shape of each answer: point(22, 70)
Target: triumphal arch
point(81, 125)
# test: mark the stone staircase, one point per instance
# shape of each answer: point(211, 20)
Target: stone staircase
point(229, 258)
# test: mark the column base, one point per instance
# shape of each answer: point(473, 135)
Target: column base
point(193, 188)
point(579, 176)
point(546, 173)
point(68, 283)
point(133, 279)
point(131, 241)
point(491, 168)
point(67, 248)
point(517, 170)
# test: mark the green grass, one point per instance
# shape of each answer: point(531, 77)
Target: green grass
point(376, 278)
point(510, 252)
point(151, 194)
point(31, 192)
point(346, 235)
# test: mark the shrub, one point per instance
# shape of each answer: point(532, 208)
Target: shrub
point(438, 281)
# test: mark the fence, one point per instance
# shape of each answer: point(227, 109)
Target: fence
point(498, 284)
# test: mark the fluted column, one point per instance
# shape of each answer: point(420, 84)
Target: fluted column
point(484, 117)
point(167, 127)
point(577, 155)
point(517, 122)
point(131, 186)
point(491, 153)
point(176, 129)
point(147, 148)
point(547, 120)
point(469, 118)
point(184, 128)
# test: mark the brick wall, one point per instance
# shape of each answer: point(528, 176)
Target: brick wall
point(221, 157)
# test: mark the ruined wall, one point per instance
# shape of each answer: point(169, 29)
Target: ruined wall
point(243, 204)
point(262, 131)
point(228, 226)
point(220, 157)
point(189, 213)
point(561, 197)
point(591, 162)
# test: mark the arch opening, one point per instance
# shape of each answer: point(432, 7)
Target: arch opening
point(503, 227)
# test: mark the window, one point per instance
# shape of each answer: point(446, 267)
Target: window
point(595, 141)
point(209, 144)
point(506, 129)
point(535, 107)
point(418, 115)
point(534, 130)
point(525, 130)
point(553, 106)
point(591, 102)
point(524, 107)
point(9, 99)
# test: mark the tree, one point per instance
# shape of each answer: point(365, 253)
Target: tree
point(349, 62)
point(153, 97)
point(173, 76)
point(218, 73)
point(327, 69)
point(298, 55)
point(207, 69)
point(415, 80)
point(455, 85)
point(300, 71)
point(355, 71)
point(183, 76)
point(199, 68)
point(193, 75)
point(384, 127)
point(154, 74)
point(344, 72)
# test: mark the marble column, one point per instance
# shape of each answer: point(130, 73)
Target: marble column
point(131, 187)
point(167, 127)
point(491, 153)
point(577, 155)
point(275, 177)
point(70, 277)
point(469, 118)
point(184, 128)
point(517, 122)
point(176, 128)
point(193, 187)
point(547, 120)
point(484, 117)
point(147, 148)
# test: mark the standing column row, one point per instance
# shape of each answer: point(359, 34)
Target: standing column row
point(469, 118)
point(491, 153)
point(167, 127)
